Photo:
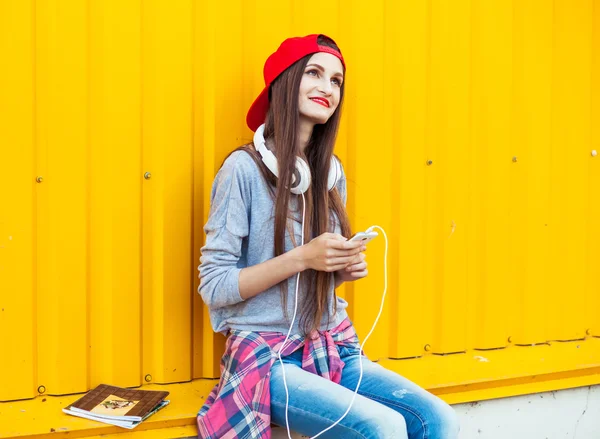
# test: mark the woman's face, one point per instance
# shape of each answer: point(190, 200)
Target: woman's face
point(319, 93)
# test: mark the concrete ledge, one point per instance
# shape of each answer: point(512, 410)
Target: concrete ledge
point(457, 378)
point(42, 416)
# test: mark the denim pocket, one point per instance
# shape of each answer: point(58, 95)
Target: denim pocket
point(351, 350)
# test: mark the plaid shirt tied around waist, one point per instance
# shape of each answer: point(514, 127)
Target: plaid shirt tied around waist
point(239, 406)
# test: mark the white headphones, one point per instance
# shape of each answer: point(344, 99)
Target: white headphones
point(301, 178)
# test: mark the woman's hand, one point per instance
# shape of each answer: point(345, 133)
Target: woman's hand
point(331, 252)
point(352, 272)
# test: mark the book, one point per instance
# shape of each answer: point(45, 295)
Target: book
point(125, 424)
point(117, 405)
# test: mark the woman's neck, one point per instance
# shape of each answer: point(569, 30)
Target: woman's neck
point(302, 138)
point(305, 129)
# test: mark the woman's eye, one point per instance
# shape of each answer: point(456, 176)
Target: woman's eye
point(315, 73)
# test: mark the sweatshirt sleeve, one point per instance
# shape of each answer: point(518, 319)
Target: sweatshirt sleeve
point(227, 226)
point(341, 186)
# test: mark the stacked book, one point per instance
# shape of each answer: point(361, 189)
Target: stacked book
point(118, 406)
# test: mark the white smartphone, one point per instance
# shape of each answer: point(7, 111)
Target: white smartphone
point(364, 237)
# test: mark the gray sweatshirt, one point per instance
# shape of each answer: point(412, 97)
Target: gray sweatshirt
point(239, 234)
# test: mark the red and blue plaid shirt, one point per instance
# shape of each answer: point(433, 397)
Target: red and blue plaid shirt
point(239, 406)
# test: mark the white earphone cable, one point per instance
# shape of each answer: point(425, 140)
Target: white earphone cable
point(287, 396)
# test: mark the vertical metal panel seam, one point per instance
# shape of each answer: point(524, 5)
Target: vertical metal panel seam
point(34, 225)
point(192, 179)
point(427, 141)
point(553, 111)
point(591, 73)
point(88, 184)
point(469, 221)
point(142, 192)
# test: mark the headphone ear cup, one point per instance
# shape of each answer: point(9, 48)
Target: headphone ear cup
point(302, 180)
point(267, 156)
point(335, 173)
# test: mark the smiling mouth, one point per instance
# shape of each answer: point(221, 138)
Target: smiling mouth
point(320, 101)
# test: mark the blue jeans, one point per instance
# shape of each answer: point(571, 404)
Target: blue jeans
point(387, 405)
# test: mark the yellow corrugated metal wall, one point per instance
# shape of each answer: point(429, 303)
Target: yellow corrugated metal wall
point(116, 115)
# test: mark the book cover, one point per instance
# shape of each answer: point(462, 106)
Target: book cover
point(111, 402)
point(113, 421)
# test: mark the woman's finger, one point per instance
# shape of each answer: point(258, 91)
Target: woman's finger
point(345, 261)
point(359, 274)
point(333, 253)
point(345, 245)
point(336, 268)
point(357, 267)
point(358, 259)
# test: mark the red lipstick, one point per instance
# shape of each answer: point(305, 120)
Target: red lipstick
point(321, 101)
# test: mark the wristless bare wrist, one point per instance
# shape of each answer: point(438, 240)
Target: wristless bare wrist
point(297, 255)
point(337, 280)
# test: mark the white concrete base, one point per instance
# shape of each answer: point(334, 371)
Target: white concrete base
point(571, 413)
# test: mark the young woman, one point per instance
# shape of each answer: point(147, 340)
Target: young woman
point(278, 211)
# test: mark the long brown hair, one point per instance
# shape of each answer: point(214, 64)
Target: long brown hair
point(281, 126)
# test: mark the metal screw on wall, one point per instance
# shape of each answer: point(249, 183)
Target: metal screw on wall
point(429, 162)
point(514, 159)
point(594, 153)
point(39, 179)
point(148, 378)
point(147, 176)
point(427, 347)
point(42, 389)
